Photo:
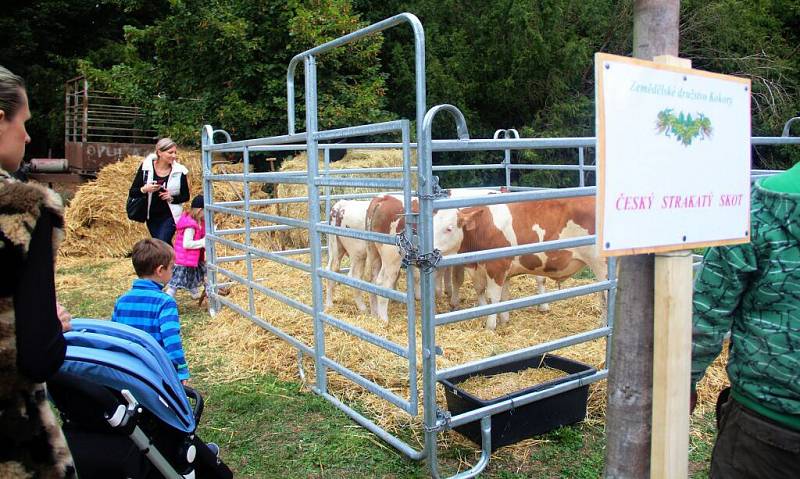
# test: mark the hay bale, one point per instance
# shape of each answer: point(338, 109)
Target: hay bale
point(96, 223)
point(358, 159)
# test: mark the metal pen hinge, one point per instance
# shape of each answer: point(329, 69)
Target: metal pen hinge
point(442, 421)
point(409, 252)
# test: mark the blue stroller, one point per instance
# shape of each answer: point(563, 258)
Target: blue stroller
point(124, 410)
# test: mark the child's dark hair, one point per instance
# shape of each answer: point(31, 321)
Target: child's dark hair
point(149, 254)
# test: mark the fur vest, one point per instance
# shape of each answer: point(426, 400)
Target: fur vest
point(31, 441)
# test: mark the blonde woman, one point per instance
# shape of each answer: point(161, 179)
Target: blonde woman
point(164, 181)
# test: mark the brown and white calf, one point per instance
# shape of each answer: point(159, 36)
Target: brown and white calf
point(496, 226)
point(385, 215)
point(347, 214)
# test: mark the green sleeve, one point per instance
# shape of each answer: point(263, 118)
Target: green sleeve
point(718, 289)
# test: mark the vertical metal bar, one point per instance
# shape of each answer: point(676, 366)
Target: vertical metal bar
point(248, 239)
point(85, 120)
point(611, 299)
point(410, 303)
point(313, 219)
point(66, 117)
point(581, 173)
point(74, 108)
point(427, 303)
point(507, 165)
point(327, 158)
point(207, 139)
point(419, 73)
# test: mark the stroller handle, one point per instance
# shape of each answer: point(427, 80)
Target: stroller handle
point(192, 393)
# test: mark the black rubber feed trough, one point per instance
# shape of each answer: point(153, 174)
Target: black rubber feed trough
point(532, 419)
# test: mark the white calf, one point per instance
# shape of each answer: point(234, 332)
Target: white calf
point(347, 214)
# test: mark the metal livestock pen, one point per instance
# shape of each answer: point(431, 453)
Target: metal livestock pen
point(418, 245)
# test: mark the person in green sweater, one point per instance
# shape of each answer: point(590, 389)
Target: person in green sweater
point(753, 291)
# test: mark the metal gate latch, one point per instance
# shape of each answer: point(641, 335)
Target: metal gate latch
point(442, 421)
point(426, 262)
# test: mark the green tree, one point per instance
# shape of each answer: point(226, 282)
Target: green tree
point(224, 62)
point(42, 40)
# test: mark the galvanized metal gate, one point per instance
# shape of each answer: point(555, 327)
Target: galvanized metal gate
point(420, 252)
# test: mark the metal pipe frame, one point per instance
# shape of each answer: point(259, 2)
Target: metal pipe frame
point(425, 180)
point(528, 301)
point(312, 142)
point(419, 63)
point(521, 354)
point(505, 252)
point(263, 254)
point(267, 291)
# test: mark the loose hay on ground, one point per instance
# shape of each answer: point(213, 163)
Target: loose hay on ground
point(230, 348)
point(464, 342)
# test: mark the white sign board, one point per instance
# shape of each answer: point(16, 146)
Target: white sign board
point(673, 156)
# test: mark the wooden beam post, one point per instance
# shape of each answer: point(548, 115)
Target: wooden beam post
point(672, 358)
point(672, 354)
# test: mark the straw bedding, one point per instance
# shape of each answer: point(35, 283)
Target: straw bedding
point(252, 350)
point(497, 385)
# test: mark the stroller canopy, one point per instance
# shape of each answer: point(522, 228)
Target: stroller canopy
point(122, 357)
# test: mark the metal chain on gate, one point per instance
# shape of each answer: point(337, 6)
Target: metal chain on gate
point(426, 262)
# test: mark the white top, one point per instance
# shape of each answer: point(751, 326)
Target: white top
point(189, 242)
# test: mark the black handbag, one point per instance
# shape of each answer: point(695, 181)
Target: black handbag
point(136, 207)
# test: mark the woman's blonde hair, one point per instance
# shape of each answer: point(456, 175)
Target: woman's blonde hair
point(164, 144)
point(10, 92)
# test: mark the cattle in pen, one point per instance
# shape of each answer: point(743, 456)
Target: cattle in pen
point(386, 215)
point(496, 226)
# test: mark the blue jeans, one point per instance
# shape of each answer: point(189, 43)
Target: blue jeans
point(162, 228)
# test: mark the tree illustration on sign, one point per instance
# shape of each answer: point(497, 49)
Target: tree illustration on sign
point(684, 127)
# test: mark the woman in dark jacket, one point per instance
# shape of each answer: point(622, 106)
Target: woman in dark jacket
point(163, 180)
point(32, 344)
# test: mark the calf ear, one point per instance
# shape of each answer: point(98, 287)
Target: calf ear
point(467, 219)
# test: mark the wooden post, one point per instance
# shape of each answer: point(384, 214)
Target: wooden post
point(672, 351)
point(672, 354)
point(655, 32)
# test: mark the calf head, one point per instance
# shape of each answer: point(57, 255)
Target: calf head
point(450, 227)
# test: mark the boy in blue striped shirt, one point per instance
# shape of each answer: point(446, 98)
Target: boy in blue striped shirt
point(147, 307)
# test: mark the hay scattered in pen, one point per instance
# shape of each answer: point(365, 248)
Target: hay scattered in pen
point(251, 350)
point(487, 388)
point(229, 348)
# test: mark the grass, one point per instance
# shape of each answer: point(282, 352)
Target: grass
point(268, 428)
